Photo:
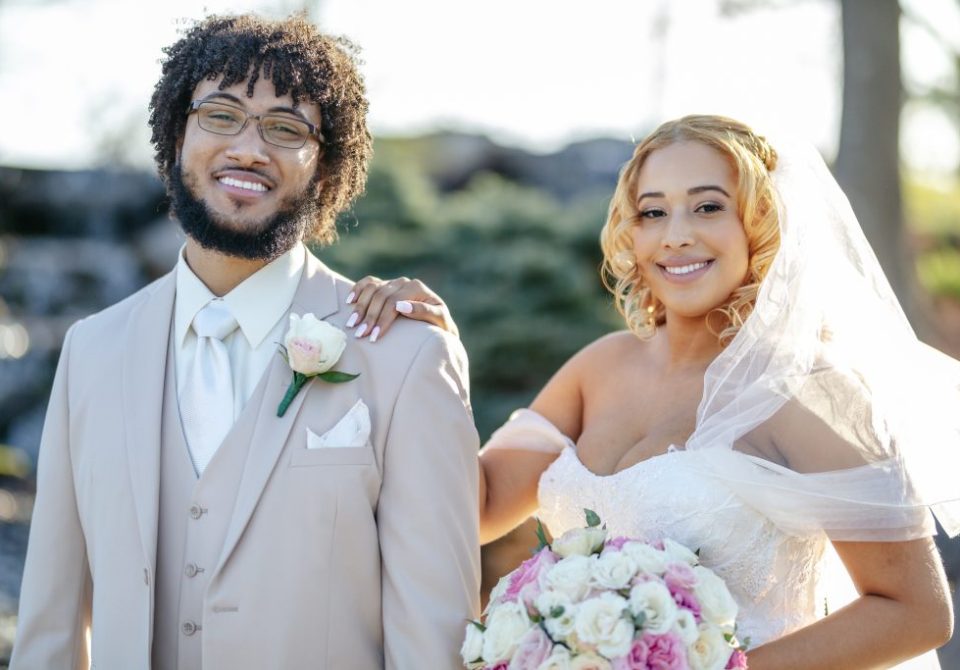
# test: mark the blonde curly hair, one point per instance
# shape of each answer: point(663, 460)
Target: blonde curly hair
point(753, 159)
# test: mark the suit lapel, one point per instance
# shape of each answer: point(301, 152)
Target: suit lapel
point(317, 293)
point(144, 367)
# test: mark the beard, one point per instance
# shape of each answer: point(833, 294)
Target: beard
point(264, 240)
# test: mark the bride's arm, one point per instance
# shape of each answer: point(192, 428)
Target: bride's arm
point(509, 477)
point(903, 610)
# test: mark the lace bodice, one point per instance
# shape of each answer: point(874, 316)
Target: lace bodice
point(773, 576)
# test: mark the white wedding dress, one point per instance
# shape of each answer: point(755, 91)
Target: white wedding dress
point(776, 578)
point(772, 576)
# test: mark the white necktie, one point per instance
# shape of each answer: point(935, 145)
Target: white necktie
point(206, 403)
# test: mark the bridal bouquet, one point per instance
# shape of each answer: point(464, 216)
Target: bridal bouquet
point(589, 602)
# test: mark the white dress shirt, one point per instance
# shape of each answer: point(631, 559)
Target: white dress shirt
point(259, 304)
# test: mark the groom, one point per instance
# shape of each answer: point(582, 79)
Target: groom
point(178, 518)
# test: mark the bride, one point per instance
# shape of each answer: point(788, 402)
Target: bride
point(768, 405)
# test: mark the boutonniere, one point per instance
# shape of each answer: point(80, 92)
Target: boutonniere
point(311, 347)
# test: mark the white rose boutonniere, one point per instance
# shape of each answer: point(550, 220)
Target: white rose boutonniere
point(311, 347)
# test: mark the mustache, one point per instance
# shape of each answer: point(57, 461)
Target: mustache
point(248, 170)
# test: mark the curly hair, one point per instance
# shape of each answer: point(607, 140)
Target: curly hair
point(753, 159)
point(298, 60)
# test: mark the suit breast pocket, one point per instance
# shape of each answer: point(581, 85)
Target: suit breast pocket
point(301, 457)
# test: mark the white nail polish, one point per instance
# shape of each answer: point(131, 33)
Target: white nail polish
point(404, 307)
point(352, 321)
point(361, 330)
point(351, 297)
point(375, 334)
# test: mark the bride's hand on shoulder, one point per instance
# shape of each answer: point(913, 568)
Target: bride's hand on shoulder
point(377, 303)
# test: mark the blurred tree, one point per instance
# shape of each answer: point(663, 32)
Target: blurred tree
point(517, 267)
point(868, 159)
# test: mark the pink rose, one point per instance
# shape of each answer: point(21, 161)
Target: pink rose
point(738, 661)
point(616, 543)
point(534, 649)
point(681, 580)
point(502, 665)
point(635, 660)
point(524, 581)
point(665, 652)
point(680, 575)
point(686, 600)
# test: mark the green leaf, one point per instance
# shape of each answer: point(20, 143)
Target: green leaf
point(479, 625)
point(593, 519)
point(640, 619)
point(541, 537)
point(557, 611)
point(335, 377)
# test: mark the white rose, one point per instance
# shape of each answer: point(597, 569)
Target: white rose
point(648, 559)
point(570, 576)
point(580, 541)
point(507, 623)
point(558, 613)
point(710, 651)
point(559, 659)
point(686, 626)
point(717, 606)
point(589, 661)
point(613, 570)
point(502, 584)
point(550, 601)
point(677, 553)
point(472, 648)
point(601, 623)
point(313, 346)
point(653, 600)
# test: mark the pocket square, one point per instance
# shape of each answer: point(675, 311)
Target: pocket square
point(352, 430)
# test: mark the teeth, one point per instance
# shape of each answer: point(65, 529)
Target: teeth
point(685, 269)
point(248, 185)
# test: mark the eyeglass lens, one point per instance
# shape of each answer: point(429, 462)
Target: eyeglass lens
point(279, 130)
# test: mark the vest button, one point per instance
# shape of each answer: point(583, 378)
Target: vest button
point(189, 628)
point(196, 511)
point(191, 570)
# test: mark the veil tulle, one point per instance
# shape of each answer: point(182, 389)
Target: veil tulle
point(828, 365)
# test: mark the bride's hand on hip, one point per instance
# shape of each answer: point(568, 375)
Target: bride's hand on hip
point(378, 302)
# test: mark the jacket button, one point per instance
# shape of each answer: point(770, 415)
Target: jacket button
point(191, 570)
point(189, 628)
point(196, 511)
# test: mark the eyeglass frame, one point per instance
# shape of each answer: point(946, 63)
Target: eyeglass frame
point(314, 130)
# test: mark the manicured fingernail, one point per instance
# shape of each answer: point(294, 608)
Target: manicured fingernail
point(361, 330)
point(375, 334)
point(352, 321)
point(404, 307)
point(351, 297)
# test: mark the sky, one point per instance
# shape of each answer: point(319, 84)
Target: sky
point(76, 75)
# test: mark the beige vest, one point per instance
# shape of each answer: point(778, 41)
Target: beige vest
point(193, 518)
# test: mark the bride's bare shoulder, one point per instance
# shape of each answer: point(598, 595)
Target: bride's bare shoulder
point(619, 348)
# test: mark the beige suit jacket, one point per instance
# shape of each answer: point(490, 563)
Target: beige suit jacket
point(334, 558)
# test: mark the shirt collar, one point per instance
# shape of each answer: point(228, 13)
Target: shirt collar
point(257, 303)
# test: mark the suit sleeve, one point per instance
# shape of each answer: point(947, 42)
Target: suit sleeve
point(427, 517)
point(55, 594)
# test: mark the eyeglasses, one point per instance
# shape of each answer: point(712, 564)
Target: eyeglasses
point(281, 131)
